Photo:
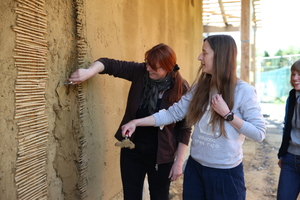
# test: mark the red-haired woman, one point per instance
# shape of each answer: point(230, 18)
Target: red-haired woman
point(155, 84)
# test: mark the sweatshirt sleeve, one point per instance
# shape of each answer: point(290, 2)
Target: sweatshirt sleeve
point(175, 113)
point(254, 126)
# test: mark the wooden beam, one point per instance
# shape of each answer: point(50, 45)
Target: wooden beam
point(213, 29)
point(245, 39)
point(223, 12)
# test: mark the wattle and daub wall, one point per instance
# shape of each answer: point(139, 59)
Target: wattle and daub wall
point(57, 141)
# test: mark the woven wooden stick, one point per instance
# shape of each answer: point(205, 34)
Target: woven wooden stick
point(33, 119)
point(29, 98)
point(31, 103)
point(34, 76)
point(29, 184)
point(35, 85)
point(37, 154)
point(32, 3)
point(31, 41)
point(30, 15)
point(34, 179)
point(30, 24)
point(29, 113)
point(28, 131)
point(25, 134)
point(36, 3)
point(31, 165)
point(28, 90)
point(25, 181)
point(37, 119)
point(20, 175)
point(36, 73)
point(24, 63)
point(32, 148)
point(33, 93)
point(35, 29)
point(39, 36)
point(29, 58)
point(31, 8)
point(30, 157)
point(28, 140)
point(29, 5)
point(32, 125)
point(28, 163)
point(34, 160)
point(35, 194)
point(27, 188)
point(30, 84)
point(36, 142)
point(21, 36)
point(32, 48)
point(34, 81)
point(30, 54)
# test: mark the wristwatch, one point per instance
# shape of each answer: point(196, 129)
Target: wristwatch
point(229, 116)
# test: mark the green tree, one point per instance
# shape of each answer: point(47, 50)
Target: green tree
point(266, 54)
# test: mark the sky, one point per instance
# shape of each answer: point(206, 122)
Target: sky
point(280, 26)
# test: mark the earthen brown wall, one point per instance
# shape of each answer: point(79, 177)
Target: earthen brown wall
point(120, 29)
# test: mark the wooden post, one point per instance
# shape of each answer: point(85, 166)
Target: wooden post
point(253, 59)
point(245, 39)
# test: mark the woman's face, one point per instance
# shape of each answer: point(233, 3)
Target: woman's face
point(295, 80)
point(160, 73)
point(206, 58)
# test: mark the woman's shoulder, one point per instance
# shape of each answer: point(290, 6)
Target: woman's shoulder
point(244, 85)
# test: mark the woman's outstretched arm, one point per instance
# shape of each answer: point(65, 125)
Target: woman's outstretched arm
point(129, 128)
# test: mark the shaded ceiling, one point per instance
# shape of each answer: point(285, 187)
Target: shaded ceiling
point(225, 15)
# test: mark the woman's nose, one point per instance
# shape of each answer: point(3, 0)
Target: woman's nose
point(148, 67)
point(200, 56)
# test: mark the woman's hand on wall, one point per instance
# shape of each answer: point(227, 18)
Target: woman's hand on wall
point(81, 75)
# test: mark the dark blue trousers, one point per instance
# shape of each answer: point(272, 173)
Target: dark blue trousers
point(205, 183)
point(289, 178)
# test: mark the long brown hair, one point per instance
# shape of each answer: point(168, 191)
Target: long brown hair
point(223, 79)
point(166, 57)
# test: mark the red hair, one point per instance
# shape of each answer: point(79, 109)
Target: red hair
point(165, 56)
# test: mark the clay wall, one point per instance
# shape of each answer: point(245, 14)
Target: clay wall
point(81, 159)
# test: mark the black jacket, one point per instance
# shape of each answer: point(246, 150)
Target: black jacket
point(172, 134)
point(288, 124)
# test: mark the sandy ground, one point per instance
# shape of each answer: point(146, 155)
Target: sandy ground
point(260, 160)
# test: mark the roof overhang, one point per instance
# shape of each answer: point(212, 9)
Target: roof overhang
point(225, 15)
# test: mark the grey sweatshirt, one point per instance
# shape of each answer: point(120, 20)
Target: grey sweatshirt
point(209, 148)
